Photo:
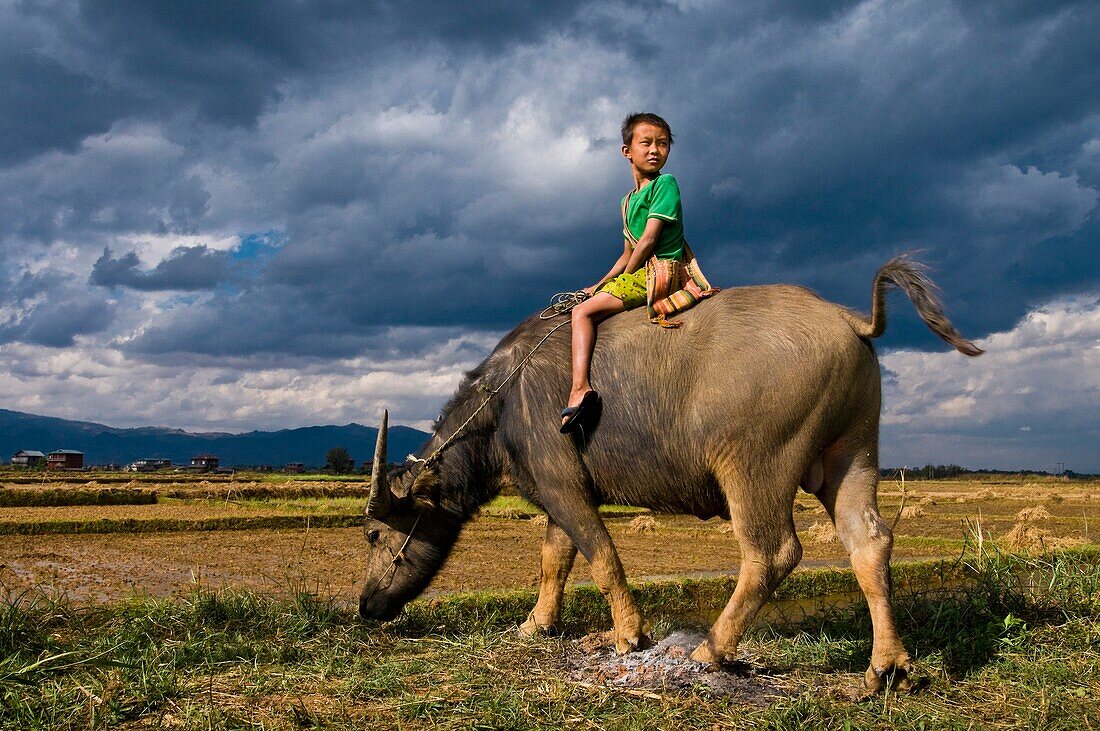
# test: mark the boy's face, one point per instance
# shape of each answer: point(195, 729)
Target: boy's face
point(648, 150)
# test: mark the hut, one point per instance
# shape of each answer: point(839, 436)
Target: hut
point(65, 459)
point(204, 463)
point(28, 458)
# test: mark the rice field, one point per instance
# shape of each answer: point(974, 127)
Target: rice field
point(270, 533)
point(191, 603)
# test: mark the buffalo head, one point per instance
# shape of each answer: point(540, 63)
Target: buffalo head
point(407, 534)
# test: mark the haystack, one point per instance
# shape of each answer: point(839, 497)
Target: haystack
point(912, 511)
point(644, 524)
point(1024, 537)
point(1034, 514)
point(822, 533)
point(1031, 539)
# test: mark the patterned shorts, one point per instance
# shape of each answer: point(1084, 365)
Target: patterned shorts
point(630, 288)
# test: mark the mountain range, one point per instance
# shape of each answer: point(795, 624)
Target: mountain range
point(108, 445)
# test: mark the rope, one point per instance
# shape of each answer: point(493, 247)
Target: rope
point(397, 558)
point(563, 302)
point(560, 303)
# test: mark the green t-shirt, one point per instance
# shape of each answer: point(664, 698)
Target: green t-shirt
point(660, 199)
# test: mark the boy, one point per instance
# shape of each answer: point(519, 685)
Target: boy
point(652, 228)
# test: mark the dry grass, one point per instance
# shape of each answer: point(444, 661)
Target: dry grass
point(644, 524)
point(821, 533)
point(1030, 539)
point(912, 511)
point(540, 521)
point(1034, 514)
point(1024, 537)
point(927, 500)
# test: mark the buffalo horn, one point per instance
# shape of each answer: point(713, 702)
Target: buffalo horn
point(379, 504)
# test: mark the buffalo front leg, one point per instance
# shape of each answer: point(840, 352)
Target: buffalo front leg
point(850, 498)
point(558, 553)
point(583, 524)
point(769, 551)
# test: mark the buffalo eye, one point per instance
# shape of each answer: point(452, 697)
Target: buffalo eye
point(372, 536)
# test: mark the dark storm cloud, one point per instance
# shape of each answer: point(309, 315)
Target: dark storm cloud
point(51, 310)
point(815, 140)
point(47, 106)
point(223, 61)
point(186, 268)
point(268, 323)
point(56, 324)
point(827, 155)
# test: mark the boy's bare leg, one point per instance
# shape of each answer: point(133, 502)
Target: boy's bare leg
point(586, 316)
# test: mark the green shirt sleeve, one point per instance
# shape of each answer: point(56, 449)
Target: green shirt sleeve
point(665, 202)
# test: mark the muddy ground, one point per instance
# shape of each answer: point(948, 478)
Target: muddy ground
point(495, 551)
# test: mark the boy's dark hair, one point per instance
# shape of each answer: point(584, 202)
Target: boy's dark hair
point(633, 120)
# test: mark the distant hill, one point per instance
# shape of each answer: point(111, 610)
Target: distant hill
point(104, 444)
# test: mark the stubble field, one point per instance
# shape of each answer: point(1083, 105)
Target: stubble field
point(285, 534)
point(258, 571)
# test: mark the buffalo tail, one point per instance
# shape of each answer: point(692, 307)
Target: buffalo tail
point(912, 278)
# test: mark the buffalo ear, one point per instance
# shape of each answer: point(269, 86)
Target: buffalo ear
point(425, 489)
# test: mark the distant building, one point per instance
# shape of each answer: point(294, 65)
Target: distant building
point(149, 465)
point(65, 459)
point(294, 468)
point(28, 458)
point(204, 463)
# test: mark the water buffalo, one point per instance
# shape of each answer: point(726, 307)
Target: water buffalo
point(762, 390)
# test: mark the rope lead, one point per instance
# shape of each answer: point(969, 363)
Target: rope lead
point(560, 303)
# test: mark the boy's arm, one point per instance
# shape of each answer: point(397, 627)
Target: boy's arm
point(644, 249)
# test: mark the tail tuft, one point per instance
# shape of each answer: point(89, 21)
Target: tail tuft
point(911, 277)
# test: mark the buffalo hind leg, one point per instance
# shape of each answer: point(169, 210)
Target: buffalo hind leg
point(849, 495)
point(558, 553)
point(769, 551)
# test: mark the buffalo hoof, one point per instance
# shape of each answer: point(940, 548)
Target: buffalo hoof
point(895, 678)
point(631, 643)
point(706, 653)
point(531, 628)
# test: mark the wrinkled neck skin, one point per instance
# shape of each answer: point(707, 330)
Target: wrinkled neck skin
point(470, 471)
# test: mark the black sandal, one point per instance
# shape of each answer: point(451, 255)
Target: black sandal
point(577, 414)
